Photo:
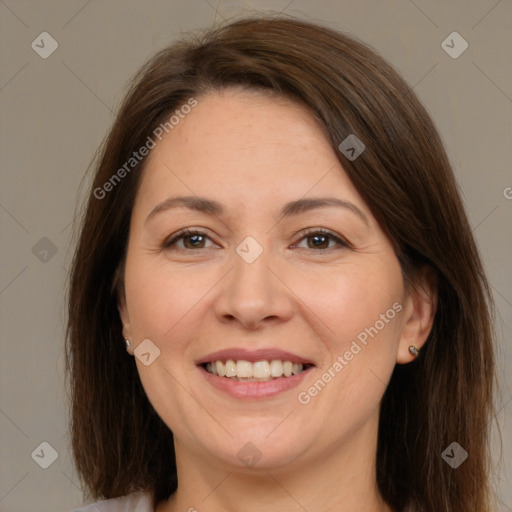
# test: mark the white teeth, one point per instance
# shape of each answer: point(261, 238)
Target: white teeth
point(244, 369)
point(259, 370)
point(296, 368)
point(230, 368)
point(276, 368)
point(221, 370)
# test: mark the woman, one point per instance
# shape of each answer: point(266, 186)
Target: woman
point(275, 235)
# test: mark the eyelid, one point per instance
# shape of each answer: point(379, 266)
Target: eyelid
point(304, 233)
point(323, 231)
point(189, 231)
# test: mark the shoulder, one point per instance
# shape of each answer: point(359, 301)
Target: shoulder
point(134, 502)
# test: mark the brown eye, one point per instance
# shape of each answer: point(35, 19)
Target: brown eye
point(191, 240)
point(320, 239)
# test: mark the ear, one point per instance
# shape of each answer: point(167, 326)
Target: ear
point(419, 311)
point(123, 312)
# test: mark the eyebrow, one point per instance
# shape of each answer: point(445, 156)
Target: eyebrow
point(214, 208)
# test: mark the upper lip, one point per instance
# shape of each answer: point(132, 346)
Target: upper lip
point(264, 354)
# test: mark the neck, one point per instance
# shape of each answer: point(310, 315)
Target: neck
point(340, 479)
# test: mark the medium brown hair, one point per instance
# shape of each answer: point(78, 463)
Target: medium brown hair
point(119, 442)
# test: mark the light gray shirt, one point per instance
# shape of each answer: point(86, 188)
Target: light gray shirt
point(135, 502)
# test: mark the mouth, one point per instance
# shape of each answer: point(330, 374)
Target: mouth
point(258, 371)
point(254, 374)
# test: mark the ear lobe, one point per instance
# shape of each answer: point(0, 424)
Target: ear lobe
point(125, 319)
point(123, 311)
point(123, 314)
point(419, 313)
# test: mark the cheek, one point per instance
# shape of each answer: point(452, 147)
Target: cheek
point(163, 307)
point(359, 298)
point(169, 304)
point(165, 300)
point(362, 309)
point(159, 299)
point(361, 304)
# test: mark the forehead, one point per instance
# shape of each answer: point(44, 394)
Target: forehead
point(246, 120)
point(244, 146)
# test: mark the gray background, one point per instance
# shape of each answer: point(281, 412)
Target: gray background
point(54, 112)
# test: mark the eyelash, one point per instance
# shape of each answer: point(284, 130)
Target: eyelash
point(187, 232)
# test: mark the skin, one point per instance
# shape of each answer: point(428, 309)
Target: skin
point(253, 153)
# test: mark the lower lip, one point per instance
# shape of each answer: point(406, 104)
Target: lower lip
point(254, 390)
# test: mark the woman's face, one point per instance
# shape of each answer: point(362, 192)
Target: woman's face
point(261, 284)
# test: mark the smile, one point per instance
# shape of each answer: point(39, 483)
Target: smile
point(259, 371)
point(254, 374)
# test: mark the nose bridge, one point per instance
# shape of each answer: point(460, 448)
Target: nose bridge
point(251, 276)
point(252, 292)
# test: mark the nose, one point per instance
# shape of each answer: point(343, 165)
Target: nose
point(254, 294)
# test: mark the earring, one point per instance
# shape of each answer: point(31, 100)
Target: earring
point(127, 341)
point(414, 351)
